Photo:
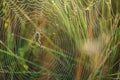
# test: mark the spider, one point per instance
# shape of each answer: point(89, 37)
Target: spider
point(37, 38)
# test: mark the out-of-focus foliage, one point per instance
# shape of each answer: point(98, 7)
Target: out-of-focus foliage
point(59, 39)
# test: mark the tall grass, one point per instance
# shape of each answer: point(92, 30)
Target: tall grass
point(59, 40)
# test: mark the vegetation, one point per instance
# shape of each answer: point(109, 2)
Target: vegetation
point(59, 40)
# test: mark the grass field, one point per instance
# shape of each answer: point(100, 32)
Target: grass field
point(59, 40)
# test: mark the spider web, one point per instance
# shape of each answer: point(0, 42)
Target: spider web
point(17, 52)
